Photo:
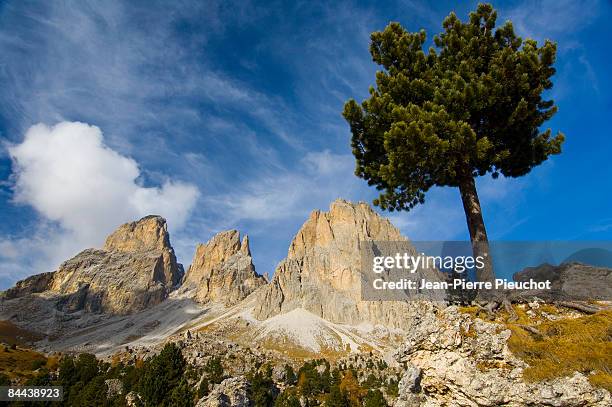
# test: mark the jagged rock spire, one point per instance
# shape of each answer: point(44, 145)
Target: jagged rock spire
point(222, 270)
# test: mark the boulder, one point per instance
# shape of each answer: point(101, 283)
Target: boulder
point(570, 281)
point(466, 362)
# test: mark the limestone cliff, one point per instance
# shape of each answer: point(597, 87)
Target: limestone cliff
point(322, 271)
point(222, 270)
point(136, 269)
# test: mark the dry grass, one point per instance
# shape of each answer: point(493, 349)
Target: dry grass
point(468, 333)
point(568, 345)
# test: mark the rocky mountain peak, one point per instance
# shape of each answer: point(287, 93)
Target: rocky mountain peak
point(222, 270)
point(244, 246)
point(148, 233)
point(214, 252)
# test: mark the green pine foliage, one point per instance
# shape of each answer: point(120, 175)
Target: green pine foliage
point(262, 389)
point(290, 377)
point(468, 106)
point(336, 398)
point(214, 370)
point(4, 380)
point(160, 381)
point(203, 388)
point(181, 395)
point(473, 104)
point(392, 387)
point(288, 398)
point(162, 374)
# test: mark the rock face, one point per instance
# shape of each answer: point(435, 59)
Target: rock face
point(136, 269)
point(322, 271)
point(454, 360)
point(33, 284)
point(222, 270)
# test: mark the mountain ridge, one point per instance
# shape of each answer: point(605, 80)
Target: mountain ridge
point(136, 273)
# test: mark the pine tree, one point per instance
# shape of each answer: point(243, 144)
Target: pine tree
point(4, 380)
point(203, 388)
point(287, 398)
point(351, 388)
point(181, 395)
point(162, 373)
point(261, 389)
point(290, 377)
point(441, 117)
point(214, 368)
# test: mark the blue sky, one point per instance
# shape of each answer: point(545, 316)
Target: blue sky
point(223, 115)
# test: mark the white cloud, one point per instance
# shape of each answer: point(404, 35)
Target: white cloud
point(71, 178)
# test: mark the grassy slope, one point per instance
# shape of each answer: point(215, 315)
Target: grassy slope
point(21, 363)
point(17, 360)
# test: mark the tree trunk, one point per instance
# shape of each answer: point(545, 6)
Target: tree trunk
point(476, 226)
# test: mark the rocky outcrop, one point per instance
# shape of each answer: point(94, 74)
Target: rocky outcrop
point(322, 271)
point(136, 269)
point(232, 392)
point(455, 360)
point(222, 270)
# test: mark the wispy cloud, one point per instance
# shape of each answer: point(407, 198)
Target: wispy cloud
point(142, 74)
point(551, 19)
point(119, 63)
point(278, 196)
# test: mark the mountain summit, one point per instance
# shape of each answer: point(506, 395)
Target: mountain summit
point(222, 270)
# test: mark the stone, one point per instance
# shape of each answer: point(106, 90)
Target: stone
point(479, 370)
point(150, 235)
point(133, 399)
point(411, 380)
point(115, 387)
point(33, 284)
point(569, 281)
